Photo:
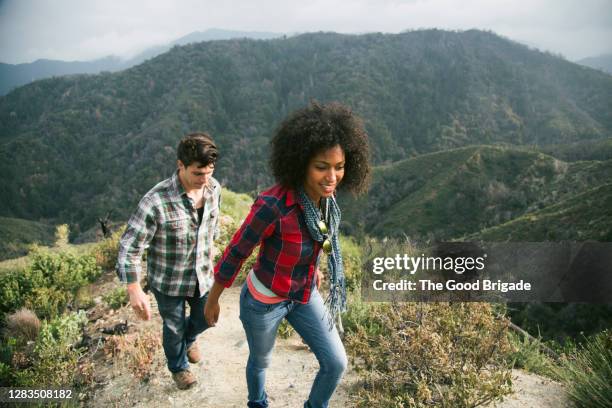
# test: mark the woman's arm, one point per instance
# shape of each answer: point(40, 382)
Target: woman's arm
point(211, 308)
point(258, 225)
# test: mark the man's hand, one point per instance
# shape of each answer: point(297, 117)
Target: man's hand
point(319, 278)
point(139, 301)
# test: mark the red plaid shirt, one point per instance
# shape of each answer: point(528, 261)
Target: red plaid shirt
point(287, 258)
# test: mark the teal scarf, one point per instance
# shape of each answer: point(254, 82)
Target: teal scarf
point(336, 301)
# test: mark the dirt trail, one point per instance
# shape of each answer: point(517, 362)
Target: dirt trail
point(531, 390)
point(221, 377)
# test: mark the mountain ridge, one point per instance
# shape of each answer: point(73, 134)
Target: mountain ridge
point(89, 143)
point(15, 75)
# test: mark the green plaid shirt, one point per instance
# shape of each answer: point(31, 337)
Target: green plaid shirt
point(179, 251)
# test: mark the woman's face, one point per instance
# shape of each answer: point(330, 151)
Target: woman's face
point(324, 173)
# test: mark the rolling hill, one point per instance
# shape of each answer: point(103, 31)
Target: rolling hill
point(585, 216)
point(16, 236)
point(447, 195)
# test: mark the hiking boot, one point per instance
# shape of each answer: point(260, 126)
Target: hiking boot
point(193, 353)
point(184, 379)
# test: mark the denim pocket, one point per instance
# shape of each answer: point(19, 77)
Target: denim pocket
point(255, 305)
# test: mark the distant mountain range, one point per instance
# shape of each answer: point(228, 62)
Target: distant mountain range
point(602, 62)
point(73, 148)
point(14, 75)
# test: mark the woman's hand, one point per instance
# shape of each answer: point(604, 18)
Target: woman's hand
point(211, 312)
point(211, 308)
point(139, 301)
point(319, 278)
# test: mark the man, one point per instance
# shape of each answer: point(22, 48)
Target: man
point(176, 222)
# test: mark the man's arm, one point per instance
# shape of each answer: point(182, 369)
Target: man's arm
point(139, 232)
point(211, 308)
point(216, 231)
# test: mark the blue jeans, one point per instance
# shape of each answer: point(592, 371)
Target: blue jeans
point(261, 321)
point(179, 331)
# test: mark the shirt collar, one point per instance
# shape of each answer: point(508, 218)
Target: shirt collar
point(178, 191)
point(292, 199)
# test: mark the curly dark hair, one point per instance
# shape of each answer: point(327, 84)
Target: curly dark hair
point(315, 128)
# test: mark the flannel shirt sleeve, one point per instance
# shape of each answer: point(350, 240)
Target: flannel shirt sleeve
point(216, 230)
point(138, 234)
point(258, 225)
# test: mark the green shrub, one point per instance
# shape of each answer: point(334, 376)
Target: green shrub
point(527, 354)
point(54, 357)
point(64, 270)
point(48, 302)
point(235, 205)
point(17, 285)
point(48, 284)
point(363, 316)
point(107, 250)
point(6, 375)
point(353, 268)
point(7, 349)
point(117, 298)
point(62, 232)
point(587, 373)
point(11, 290)
point(83, 299)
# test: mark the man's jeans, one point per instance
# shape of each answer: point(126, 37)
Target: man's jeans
point(180, 332)
point(261, 321)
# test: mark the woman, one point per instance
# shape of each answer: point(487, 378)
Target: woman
point(315, 151)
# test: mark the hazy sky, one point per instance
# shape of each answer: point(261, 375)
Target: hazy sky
point(88, 29)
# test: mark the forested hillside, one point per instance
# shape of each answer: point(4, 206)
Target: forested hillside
point(73, 148)
point(450, 194)
point(587, 216)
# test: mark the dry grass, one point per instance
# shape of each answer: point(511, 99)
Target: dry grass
point(22, 324)
point(134, 350)
point(447, 355)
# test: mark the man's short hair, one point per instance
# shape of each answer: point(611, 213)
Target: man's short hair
point(197, 147)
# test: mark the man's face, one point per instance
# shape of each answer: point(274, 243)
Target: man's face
point(194, 176)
